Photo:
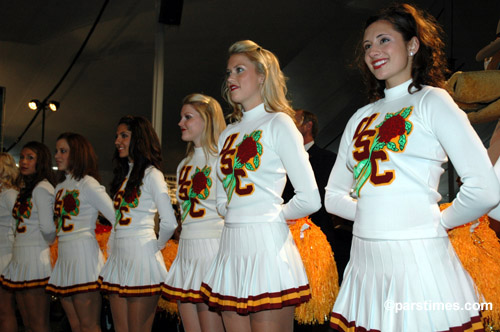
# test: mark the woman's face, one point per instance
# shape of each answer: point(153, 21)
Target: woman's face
point(244, 82)
point(192, 125)
point(62, 154)
point(387, 55)
point(122, 142)
point(27, 162)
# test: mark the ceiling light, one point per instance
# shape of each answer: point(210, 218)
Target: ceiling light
point(53, 105)
point(34, 104)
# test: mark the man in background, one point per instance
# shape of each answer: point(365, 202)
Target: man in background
point(337, 230)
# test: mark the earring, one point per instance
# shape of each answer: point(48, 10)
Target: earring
point(411, 53)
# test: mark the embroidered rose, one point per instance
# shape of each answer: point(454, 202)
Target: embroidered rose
point(123, 204)
point(199, 189)
point(392, 127)
point(247, 157)
point(130, 198)
point(246, 150)
point(395, 126)
point(69, 203)
point(199, 182)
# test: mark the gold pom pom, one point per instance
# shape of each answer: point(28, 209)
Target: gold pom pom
point(479, 252)
point(321, 270)
point(169, 253)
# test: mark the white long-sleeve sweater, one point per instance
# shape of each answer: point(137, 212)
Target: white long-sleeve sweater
point(399, 165)
point(34, 218)
point(255, 155)
point(196, 194)
point(7, 222)
point(77, 204)
point(135, 215)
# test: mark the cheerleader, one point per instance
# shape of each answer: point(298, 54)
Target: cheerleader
point(258, 277)
point(201, 123)
point(29, 270)
point(78, 199)
point(9, 189)
point(403, 274)
point(135, 270)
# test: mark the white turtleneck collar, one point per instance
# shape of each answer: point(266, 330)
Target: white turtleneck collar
point(397, 91)
point(254, 113)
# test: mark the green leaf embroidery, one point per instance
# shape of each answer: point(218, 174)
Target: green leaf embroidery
point(227, 180)
point(237, 164)
point(118, 214)
point(259, 148)
point(359, 167)
point(249, 167)
point(230, 189)
point(402, 142)
point(256, 161)
point(256, 135)
point(405, 112)
point(186, 206)
point(364, 177)
point(408, 127)
point(392, 146)
point(378, 146)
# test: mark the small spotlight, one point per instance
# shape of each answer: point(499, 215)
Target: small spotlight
point(34, 104)
point(54, 105)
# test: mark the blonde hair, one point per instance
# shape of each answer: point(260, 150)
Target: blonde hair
point(9, 172)
point(211, 113)
point(273, 90)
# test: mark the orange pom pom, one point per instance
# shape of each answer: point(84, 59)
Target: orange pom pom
point(479, 252)
point(321, 270)
point(169, 253)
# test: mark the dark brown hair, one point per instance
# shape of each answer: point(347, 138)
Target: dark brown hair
point(144, 150)
point(43, 169)
point(82, 158)
point(429, 63)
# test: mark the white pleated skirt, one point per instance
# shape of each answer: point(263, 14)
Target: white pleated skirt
point(5, 256)
point(406, 285)
point(193, 260)
point(258, 267)
point(79, 262)
point(134, 268)
point(29, 267)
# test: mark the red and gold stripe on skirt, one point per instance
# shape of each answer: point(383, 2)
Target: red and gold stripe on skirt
point(339, 323)
point(25, 284)
point(256, 303)
point(177, 294)
point(129, 291)
point(72, 290)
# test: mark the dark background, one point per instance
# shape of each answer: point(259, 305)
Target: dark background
point(313, 39)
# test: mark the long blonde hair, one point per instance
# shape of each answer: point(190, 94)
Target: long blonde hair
point(273, 90)
point(9, 172)
point(211, 113)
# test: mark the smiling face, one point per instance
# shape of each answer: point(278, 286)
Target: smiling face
point(192, 125)
point(27, 162)
point(387, 54)
point(244, 82)
point(122, 142)
point(62, 155)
